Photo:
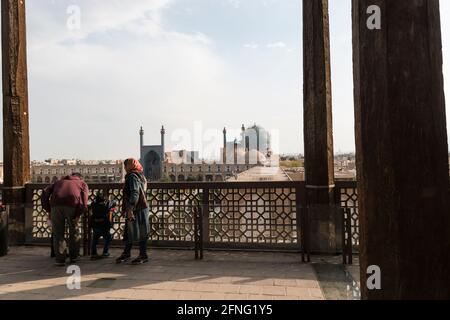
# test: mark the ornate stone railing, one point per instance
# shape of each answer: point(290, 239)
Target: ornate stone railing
point(234, 215)
point(347, 194)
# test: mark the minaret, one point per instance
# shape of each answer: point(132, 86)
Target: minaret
point(247, 149)
point(243, 136)
point(269, 146)
point(163, 133)
point(235, 152)
point(141, 134)
point(258, 147)
point(224, 146)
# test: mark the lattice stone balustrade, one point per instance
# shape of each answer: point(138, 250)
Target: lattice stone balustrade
point(257, 215)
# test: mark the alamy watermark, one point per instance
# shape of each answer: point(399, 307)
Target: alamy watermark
point(73, 281)
point(252, 145)
point(74, 18)
point(374, 278)
point(374, 20)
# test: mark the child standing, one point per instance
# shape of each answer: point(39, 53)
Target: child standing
point(101, 222)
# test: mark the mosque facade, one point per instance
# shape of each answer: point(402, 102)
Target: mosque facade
point(252, 149)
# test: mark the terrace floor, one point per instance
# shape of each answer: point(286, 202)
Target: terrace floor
point(28, 273)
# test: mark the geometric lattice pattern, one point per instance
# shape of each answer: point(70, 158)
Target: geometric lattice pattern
point(172, 213)
point(242, 216)
point(349, 200)
point(39, 217)
point(234, 215)
point(253, 215)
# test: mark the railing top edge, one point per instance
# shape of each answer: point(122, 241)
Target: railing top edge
point(193, 185)
point(346, 184)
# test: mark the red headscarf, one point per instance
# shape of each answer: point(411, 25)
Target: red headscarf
point(132, 165)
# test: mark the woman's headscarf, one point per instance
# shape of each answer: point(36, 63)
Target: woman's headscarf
point(132, 165)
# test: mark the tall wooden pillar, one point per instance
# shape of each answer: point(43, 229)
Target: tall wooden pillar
point(402, 149)
point(16, 151)
point(325, 222)
point(318, 124)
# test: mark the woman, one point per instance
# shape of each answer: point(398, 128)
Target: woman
point(135, 208)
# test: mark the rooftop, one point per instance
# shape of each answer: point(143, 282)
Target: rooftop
point(262, 174)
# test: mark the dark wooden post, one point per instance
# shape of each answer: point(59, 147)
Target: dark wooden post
point(16, 151)
point(318, 129)
point(402, 149)
point(317, 106)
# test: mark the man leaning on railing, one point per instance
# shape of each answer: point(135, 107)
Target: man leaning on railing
point(65, 201)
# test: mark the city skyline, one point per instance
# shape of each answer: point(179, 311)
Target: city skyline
point(177, 62)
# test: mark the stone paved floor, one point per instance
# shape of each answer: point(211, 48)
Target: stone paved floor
point(28, 273)
point(337, 281)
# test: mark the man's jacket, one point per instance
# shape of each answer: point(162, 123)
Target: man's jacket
point(70, 191)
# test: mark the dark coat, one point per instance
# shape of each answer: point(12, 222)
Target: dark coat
point(134, 198)
point(134, 192)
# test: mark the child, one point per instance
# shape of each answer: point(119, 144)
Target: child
point(101, 223)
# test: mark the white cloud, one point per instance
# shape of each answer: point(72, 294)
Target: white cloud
point(234, 3)
point(123, 69)
point(272, 45)
point(91, 90)
point(276, 45)
point(251, 45)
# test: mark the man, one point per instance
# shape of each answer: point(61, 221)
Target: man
point(65, 201)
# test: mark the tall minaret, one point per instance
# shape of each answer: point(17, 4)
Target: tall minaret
point(163, 133)
point(243, 137)
point(247, 149)
point(258, 146)
point(141, 134)
point(235, 152)
point(224, 146)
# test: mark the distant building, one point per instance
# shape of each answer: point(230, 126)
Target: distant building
point(182, 157)
point(253, 147)
point(152, 157)
point(94, 172)
point(184, 165)
point(202, 172)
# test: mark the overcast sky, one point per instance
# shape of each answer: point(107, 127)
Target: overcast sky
point(192, 65)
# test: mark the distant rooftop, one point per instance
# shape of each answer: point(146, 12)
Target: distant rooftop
point(262, 174)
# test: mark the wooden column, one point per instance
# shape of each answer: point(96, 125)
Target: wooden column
point(318, 124)
point(16, 151)
point(402, 150)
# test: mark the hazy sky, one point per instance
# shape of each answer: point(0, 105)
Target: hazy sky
point(195, 65)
